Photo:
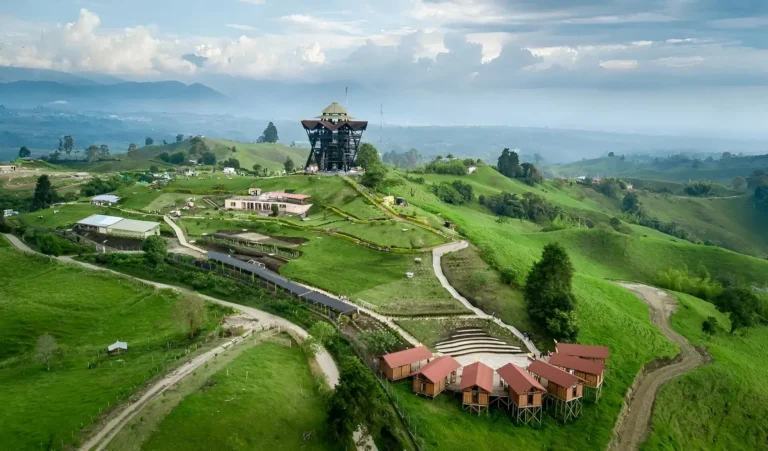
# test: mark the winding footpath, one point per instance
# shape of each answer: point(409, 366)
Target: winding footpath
point(102, 438)
point(635, 419)
point(437, 254)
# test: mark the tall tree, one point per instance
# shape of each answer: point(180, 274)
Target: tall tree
point(738, 183)
point(367, 155)
point(209, 159)
point(44, 195)
point(61, 146)
point(289, 165)
point(69, 144)
point(179, 138)
point(631, 203)
point(92, 152)
point(374, 175)
point(24, 152)
point(155, 249)
point(257, 168)
point(131, 149)
point(509, 163)
point(190, 311)
point(270, 134)
point(148, 141)
point(357, 401)
point(103, 151)
point(46, 349)
point(548, 293)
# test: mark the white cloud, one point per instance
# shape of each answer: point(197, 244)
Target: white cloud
point(680, 61)
point(240, 27)
point(80, 46)
point(619, 64)
point(313, 24)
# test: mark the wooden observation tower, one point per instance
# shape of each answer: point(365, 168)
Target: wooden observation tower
point(334, 138)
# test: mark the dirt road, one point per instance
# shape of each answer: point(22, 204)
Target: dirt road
point(634, 421)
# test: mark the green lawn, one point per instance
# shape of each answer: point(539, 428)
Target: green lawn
point(478, 282)
point(421, 295)
point(137, 196)
point(391, 233)
point(67, 215)
point(722, 405)
point(205, 183)
point(265, 399)
point(84, 311)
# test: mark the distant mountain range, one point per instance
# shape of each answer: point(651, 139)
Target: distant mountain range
point(27, 88)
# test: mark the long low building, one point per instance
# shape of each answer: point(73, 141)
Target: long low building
point(287, 203)
point(308, 295)
point(116, 226)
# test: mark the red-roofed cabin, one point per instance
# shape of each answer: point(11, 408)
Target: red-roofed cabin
point(399, 365)
point(476, 386)
point(432, 378)
point(596, 353)
point(524, 389)
point(590, 371)
point(560, 384)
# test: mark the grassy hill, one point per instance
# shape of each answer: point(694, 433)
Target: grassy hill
point(608, 314)
point(84, 311)
point(722, 405)
point(674, 169)
point(268, 155)
point(728, 222)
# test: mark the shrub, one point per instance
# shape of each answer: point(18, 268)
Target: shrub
point(681, 280)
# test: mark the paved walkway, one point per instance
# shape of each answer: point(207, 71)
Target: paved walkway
point(437, 254)
point(180, 235)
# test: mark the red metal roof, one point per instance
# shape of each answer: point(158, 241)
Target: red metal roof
point(552, 374)
point(311, 124)
point(577, 363)
point(408, 356)
point(478, 374)
point(439, 368)
point(520, 380)
point(586, 351)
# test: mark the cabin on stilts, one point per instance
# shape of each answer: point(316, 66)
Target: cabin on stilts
point(399, 365)
point(596, 353)
point(564, 390)
point(431, 379)
point(589, 371)
point(476, 387)
point(526, 394)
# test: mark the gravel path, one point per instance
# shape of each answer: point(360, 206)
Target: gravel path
point(632, 428)
point(324, 359)
point(437, 254)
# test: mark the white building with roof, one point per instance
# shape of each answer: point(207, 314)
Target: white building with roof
point(287, 203)
point(116, 226)
point(229, 171)
point(105, 199)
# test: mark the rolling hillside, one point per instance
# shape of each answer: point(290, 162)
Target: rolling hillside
point(268, 155)
point(729, 222)
point(674, 169)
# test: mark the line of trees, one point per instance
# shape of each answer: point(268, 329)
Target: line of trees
point(455, 192)
point(509, 166)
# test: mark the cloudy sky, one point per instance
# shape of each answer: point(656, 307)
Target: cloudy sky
point(696, 60)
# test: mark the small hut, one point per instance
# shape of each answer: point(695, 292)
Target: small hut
point(398, 365)
point(589, 371)
point(596, 353)
point(432, 378)
point(564, 390)
point(117, 348)
point(526, 394)
point(476, 387)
